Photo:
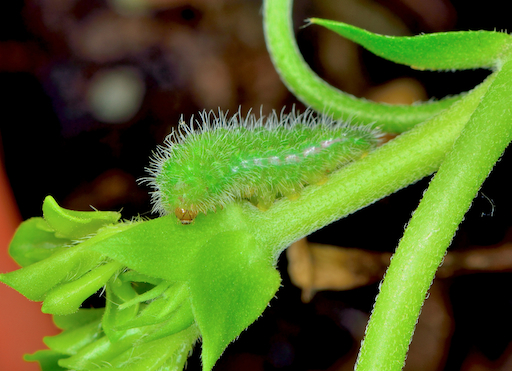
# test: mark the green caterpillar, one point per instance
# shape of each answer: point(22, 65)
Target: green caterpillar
point(230, 159)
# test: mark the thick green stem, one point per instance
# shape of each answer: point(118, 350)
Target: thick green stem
point(406, 159)
point(433, 225)
point(315, 92)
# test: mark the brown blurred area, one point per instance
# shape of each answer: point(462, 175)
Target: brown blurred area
point(90, 87)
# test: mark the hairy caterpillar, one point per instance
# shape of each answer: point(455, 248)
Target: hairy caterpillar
point(228, 159)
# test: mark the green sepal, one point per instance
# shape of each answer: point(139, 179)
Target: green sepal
point(436, 51)
point(133, 276)
point(70, 341)
point(168, 353)
point(48, 359)
point(223, 282)
point(34, 241)
point(36, 280)
point(103, 351)
point(169, 306)
point(117, 293)
point(78, 319)
point(76, 224)
point(67, 298)
point(231, 277)
point(168, 250)
point(152, 294)
point(83, 344)
point(79, 330)
point(230, 288)
point(180, 319)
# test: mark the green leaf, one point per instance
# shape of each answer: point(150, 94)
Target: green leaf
point(180, 319)
point(169, 305)
point(80, 318)
point(76, 224)
point(64, 265)
point(117, 293)
point(84, 346)
point(167, 249)
point(133, 276)
point(437, 51)
point(69, 342)
point(152, 294)
point(230, 286)
point(231, 277)
point(103, 351)
point(34, 241)
point(35, 280)
point(47, 360)
point(169, 353)
point(80, 329)
point(67, 298)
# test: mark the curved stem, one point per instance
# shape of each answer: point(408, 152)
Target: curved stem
point(431, 229)
point(315, 92)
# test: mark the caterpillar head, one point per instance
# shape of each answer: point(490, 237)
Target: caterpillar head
point(185, 216)
point(181, 193)
point(180, 177)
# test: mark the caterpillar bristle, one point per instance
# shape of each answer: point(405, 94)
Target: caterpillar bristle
point(214, 160)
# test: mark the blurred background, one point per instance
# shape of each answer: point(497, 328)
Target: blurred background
point(91, 87)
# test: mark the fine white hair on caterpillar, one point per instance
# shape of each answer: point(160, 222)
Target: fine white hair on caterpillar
point(216, 160)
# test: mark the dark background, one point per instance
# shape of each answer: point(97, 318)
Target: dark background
point(185, 56)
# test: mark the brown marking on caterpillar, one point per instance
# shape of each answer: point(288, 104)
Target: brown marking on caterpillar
point(185, 216)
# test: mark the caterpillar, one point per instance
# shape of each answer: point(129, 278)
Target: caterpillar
point(217, 160)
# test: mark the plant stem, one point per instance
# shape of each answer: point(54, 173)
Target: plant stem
point(315, 92)
point(406, 159)
point(433, 225)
